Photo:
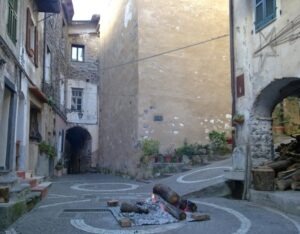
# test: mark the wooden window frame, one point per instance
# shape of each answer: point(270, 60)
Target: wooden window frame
point(12, 20)
point(76, 46)
point(266, 19)
point(32, 39)
point(75, 106)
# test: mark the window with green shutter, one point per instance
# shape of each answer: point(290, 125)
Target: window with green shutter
point(265, 12)
point(12, 20)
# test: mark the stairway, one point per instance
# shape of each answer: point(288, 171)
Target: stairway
point(19, 193)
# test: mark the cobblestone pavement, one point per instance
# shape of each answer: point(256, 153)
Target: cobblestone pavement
point(74, 206)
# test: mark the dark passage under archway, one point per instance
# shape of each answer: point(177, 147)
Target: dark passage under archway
point(78, 150)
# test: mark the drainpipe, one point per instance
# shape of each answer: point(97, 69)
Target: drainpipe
point(44, 54)
point(232, 64)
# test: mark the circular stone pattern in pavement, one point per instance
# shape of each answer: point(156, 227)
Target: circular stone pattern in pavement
point(104, 187)
point(211, 176)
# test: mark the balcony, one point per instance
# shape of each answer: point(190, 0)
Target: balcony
point(49, 6)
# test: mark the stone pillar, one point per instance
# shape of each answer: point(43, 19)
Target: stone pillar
point(261, 140)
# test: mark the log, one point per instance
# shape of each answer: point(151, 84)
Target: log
point(280, 165)
point(112, 203)
point(187, 205)
point(286, 174)
point(127, 207)
point(296, 185)
point(172, 210)
point(296, 175)
point(166, 193)
point(125, 222)
point(284, 184)
point(263, 179)
point(296, 165)
point(200, 217)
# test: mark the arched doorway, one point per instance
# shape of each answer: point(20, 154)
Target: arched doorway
point(261, 135)
point(78, 150)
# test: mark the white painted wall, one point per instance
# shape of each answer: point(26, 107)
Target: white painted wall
point(89, 102)
point(22, 133)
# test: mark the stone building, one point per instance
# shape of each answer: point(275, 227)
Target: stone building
point(56, 52)
point(164, 76)
point(265, 62)
point(82, 95)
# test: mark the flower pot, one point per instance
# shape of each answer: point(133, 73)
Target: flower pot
point(278, 130)
point(167, 158)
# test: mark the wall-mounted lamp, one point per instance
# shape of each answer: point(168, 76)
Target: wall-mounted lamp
point(2, 62)
point(80, 114)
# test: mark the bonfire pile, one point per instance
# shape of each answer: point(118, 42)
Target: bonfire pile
point(168, 203)
point(284, 172)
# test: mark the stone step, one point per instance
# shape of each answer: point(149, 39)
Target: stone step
point(33, 181)
point(8, 179)
point(32, 199)
point(19, 191)
point(42, 188)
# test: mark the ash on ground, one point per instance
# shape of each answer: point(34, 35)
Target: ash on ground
point(156, 216)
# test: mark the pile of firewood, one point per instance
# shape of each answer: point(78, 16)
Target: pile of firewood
point(284, 172)
point(171, 202)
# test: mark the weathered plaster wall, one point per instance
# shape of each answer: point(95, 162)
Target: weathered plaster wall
point(189, 87)
point(86, 75)
point(266, 58)
point(119, 86)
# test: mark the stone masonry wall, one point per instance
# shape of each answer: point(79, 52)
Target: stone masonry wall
point(119, 87)
point(89, 69)
point(188, 87)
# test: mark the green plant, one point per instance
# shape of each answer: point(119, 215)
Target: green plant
point(186, 149)
point(218, 142)
point(150, 150)
point(191, 149)
point(47, 149)
point(150, 147)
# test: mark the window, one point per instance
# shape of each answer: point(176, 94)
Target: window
point(76, 99)
point(48, 66)
point(77, 53)
point(265, 12)
point(12, 20)
point(31, 38)
point(34, 133)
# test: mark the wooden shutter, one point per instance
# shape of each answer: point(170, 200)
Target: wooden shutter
point(36, 47)
point(28, 23)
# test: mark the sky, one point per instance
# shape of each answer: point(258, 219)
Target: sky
point(84, 9)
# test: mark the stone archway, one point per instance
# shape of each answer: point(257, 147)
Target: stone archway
point(261, 136)
point(78, 150)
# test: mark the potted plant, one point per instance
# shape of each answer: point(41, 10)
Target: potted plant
point(59, 168)
point(238, 119)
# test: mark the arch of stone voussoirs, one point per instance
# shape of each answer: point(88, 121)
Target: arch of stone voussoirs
point(181, 179)
point(274, 93)
point(80, 187)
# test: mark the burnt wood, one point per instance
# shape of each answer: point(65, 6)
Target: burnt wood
point(166, 193)
point(127, 207)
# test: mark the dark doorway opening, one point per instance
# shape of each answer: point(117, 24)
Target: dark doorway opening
point(78, 150)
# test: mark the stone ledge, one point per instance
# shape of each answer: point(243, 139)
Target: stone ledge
point(10, 212)
point(286, 201)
